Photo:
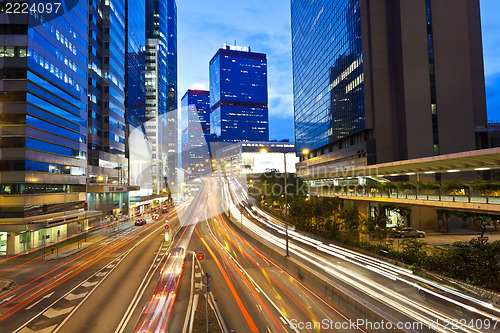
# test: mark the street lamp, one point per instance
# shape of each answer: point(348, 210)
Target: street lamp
point(264, 151)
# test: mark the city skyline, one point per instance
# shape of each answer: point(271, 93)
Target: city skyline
point(112, 222)
point(266, 28)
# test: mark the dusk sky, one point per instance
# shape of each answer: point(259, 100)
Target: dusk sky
point(204, 27)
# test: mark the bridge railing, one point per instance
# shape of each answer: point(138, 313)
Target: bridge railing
point(415, 194)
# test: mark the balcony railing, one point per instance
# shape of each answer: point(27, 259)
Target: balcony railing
point(467, 196)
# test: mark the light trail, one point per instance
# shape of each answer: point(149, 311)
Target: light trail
point(384, 269)
point(156, 314)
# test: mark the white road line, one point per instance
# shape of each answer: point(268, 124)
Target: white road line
point(72, 297)
point(190, 303)
point(121, 257)
point(138, 295)
point(7, 299)
point(43, 330)
point(90, 293)
point(41, 299)
point(252, 280)
point(52, 313)
point(89, 284)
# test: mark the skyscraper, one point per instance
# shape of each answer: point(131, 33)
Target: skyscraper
point(43, 126)
point(381, 81)
point(238, 95)
point(172, 121)
point(116, 99)
point(195, 111)
point(139, 151)
point(161, 89)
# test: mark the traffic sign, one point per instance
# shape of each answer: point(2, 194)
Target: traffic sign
point(200, 256)
point(167, 227)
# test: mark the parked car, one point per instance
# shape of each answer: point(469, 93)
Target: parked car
point(140, 222)
point(155, 216)
point(408, 232)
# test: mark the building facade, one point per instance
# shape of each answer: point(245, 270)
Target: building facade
point(161, 90)
point(116, 100)
point(238, 95)
point(43, 126)
point(195, 112)
point(382, 81)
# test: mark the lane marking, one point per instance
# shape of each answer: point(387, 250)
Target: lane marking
point(89, 284)
point(140, 291)
point(52, 313)
point(72, 297)
point(120, 258)
point(41, 299)
point(43, 330)
point(7, 299)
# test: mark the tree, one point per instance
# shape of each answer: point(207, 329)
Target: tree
point(454, 187)
point(352, 220)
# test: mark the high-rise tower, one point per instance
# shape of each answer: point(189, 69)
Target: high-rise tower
point(381, 81)
point(43, 126)
point(238, 95)
point(161, 89)
point(195, 108)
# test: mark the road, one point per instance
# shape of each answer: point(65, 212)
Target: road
point(89, 291)
point(134, 281)
point(253, 293)
point(396, 291)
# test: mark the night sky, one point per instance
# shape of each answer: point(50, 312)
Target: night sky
point(264, 25)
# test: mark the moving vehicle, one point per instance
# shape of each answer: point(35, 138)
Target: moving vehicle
point(178, 252)
point(408, 232)
point(140, 222)
point(155, 216)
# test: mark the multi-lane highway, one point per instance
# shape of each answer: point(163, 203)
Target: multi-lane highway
point(89, 291)
point(134, 281)
point(253, 293)
point(425, 305)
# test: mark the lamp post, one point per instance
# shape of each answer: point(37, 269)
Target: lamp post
point(264, 151)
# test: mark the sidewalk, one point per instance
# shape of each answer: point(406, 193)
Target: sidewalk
point(437, 238)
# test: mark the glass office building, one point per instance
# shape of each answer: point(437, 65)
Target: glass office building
point(161, 89)
point(43, 126)
point(238, 95)
point(116, 99)
point(195, 112)
point(171, 161)
point(328, 76)
point(373, 81)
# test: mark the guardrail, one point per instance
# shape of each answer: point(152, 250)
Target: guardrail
point(360, 191)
